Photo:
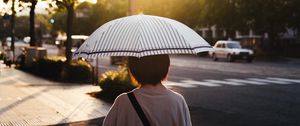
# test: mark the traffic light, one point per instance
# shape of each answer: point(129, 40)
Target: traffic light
point(52, 21)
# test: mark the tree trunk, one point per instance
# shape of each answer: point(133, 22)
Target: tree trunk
point(70, 17)
point(31, 29)
point(12, 21)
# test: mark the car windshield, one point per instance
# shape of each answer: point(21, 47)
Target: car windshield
point(233, 45)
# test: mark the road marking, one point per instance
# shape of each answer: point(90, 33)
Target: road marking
point(189, 83)
point(200, 83)
point(269, 81)
point(178, 77)
point(283, 79)
point(246, 81)
point(172, 83)
point(224, 82)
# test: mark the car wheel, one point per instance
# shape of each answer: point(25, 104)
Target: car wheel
point(230, 58)
point(214, 57)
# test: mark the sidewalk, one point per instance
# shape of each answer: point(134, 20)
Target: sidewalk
point(29, 100)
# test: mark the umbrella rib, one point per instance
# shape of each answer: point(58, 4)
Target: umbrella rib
point(111, 41)
point(161, 40)
point(179, 37)
point(171, 33)
point(120, 37)
point(169, 40)
point(138, 45)
point(148, 36)
point(176, 35)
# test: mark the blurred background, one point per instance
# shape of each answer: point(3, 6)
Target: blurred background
point(38, 38)
point(269, 27)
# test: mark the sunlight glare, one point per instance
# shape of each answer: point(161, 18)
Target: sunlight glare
point(42, 4)
point(2, 5)
point(91, 1)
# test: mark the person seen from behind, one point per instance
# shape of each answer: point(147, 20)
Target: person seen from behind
point(152, 104)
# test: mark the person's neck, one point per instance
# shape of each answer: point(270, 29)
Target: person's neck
point(149, 86)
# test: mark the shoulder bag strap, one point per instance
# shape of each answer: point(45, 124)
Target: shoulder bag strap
point(138, 109)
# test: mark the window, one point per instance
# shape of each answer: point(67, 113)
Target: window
point(233, 45)
point(222, 45)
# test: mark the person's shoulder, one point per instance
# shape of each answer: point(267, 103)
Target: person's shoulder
point(176, 95)
point(121, 97)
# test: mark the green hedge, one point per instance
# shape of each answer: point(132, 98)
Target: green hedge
point(49, 68)
point(77, 71)
point(55, 68)
point(113, 83)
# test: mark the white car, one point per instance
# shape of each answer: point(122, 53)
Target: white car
point(26, 39)
point(230, 50)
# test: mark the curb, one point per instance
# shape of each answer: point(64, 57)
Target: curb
point(91, 122)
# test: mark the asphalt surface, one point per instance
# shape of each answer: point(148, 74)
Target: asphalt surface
point(238, 94)
point(219, 93)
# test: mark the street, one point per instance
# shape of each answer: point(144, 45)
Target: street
point(233, 94)
point(235, 62)
point(261, 93)
point(222, 93)
point(258, 93)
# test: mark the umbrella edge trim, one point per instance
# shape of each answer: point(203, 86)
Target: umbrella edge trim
point(142, 51)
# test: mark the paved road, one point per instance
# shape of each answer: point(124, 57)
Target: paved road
point(233, 94)
point(222, 93)
point(218, 93)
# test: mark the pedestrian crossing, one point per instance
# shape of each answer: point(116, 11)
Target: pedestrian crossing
point(190, 83)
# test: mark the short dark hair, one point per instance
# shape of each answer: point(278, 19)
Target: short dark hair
point(149, 69)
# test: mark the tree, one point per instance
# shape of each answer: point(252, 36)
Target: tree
point(268, 16)
point(31, 21)
point(69, 5)
point(21, 29)
point(225, 14)
point(89, 16)
point(12, 24)
point(185, 11)
point(294, 16)
point(102, 7)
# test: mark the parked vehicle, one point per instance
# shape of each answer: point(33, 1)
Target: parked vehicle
point(230, 50)
point(18, 42)
point(77, 40)
point(26, 39)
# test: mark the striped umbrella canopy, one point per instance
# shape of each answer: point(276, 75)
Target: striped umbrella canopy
point(142, 35)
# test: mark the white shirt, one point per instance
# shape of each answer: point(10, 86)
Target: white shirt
point(161, 106)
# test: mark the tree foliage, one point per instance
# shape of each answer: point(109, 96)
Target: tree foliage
point(262, 16)
point(95, 15)
point(69, 6)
